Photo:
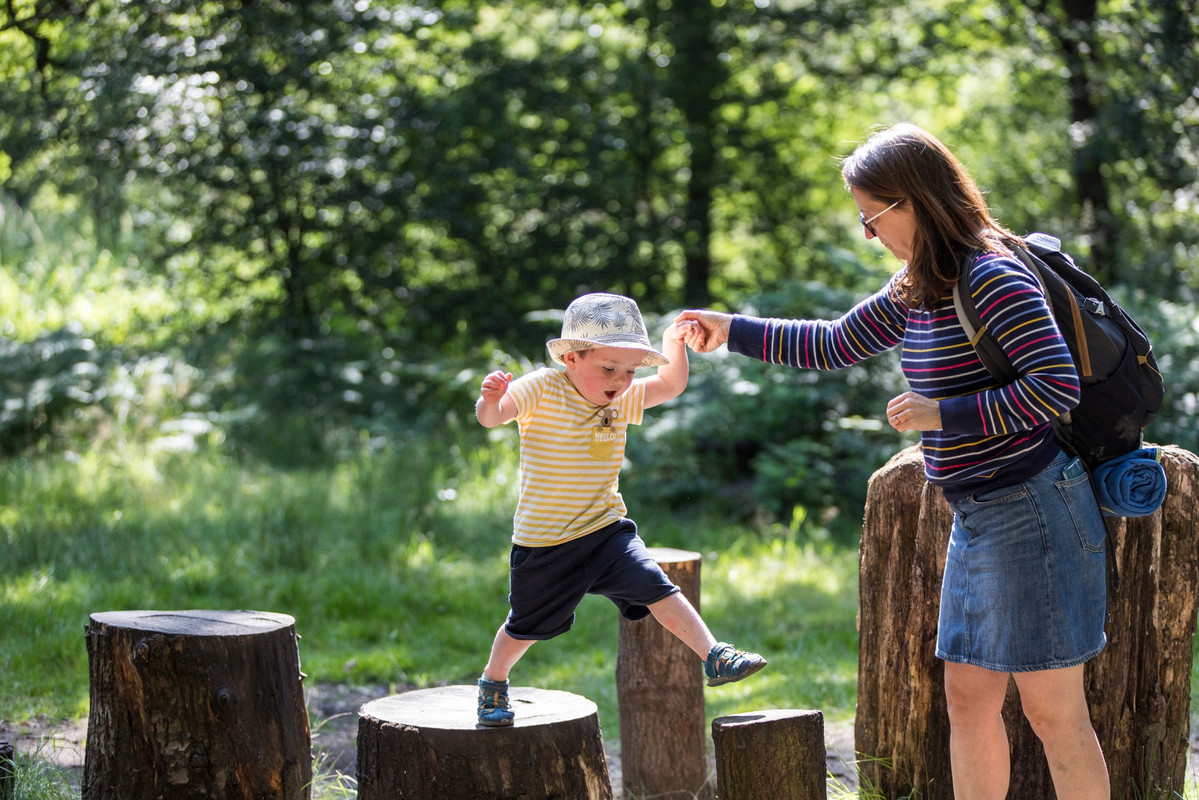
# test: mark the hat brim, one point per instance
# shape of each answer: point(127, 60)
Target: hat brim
point(560, 347)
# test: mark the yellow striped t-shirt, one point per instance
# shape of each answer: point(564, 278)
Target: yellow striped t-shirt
point(569, 461)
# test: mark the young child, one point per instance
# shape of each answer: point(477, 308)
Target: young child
point(571, 536)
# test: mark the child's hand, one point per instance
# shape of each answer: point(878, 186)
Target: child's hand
point(488, 410)
point(495, 386)
point(687, 332)
point(713, 329)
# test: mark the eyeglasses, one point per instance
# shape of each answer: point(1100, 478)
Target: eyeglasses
point(868, 224)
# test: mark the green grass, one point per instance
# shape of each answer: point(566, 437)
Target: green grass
point(393, 563)
point(394, 566)
point(394, 569)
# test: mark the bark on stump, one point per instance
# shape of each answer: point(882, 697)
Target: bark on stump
point(1138, 688)
point(427, 745)
point(8, 771)
point(660, 692)
point(195, 705)
point(777, 754)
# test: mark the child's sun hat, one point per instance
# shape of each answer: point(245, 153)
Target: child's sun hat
point(604, 320)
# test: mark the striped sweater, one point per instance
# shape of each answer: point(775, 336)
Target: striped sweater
point(991, 435)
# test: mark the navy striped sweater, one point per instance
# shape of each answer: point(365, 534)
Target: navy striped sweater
point(991, 435)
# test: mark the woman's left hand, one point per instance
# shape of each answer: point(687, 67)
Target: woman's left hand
point(913, 412)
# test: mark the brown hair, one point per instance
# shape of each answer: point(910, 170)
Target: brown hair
point(908, 164)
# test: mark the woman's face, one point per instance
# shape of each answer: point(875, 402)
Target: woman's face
point(895, 227)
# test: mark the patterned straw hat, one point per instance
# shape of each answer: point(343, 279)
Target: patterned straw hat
point(604, 320)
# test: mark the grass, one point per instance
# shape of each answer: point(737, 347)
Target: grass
point(393, 563)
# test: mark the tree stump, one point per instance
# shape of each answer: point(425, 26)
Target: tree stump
point(194, 705)
point(776, 754)
point(1138, 688)
point(8, 771)
point(660, 692)
point(427, 745)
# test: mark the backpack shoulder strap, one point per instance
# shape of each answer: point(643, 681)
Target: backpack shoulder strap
point(1050, 265)
point(984, 344)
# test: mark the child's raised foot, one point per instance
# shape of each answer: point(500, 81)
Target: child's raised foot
point(726, 664)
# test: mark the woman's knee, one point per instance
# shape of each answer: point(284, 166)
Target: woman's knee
point(973, 693)
point(1054, 702)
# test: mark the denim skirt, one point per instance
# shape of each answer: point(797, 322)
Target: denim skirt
point(1025, 584)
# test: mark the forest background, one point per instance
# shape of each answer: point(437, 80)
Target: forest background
point(257, 257)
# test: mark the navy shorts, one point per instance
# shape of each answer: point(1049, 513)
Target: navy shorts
point(1025, 585)
point(548, 583)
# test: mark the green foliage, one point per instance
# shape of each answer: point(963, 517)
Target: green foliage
point(1174, 330)
point(392, 562)
point(255, 258)
point(789, 448)
point(398, 169)
point(46, 383)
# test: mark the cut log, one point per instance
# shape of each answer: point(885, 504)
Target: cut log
point(195, 705)
point(777, 754)
point(8, 771)
point(660, 691)
point(1138, 688)
point(427, 745)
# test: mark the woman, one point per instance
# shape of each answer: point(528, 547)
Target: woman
point(1024, 591)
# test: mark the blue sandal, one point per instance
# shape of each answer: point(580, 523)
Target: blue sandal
point(726, 664)
point(494, 710)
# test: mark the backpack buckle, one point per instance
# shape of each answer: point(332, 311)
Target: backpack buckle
point(1095, 306)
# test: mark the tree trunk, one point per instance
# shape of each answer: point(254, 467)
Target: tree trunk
point(901, 726)
point(660, 690)
point(1138, 688)
point(427, 745)
point(195, 705)
point(775, 754)
point(8, 772)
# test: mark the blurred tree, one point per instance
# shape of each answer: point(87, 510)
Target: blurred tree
point(1130, 70)
point(439, 173)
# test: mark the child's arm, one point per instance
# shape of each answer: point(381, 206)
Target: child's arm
point(671, 379)
point(494, 406)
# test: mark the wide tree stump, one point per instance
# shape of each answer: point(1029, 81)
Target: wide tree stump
point(777, 754)
point(195, 705)
point(1138, 688)
point(660, 691)
point(427, 745)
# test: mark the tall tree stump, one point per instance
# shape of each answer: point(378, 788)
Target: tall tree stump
point(427, 745)
point(660, 692)
point(1138, 688)
point(195, 705)
point(776, 754)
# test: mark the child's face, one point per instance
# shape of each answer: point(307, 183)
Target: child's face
point(603, 374)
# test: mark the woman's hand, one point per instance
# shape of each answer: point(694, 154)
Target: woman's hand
point(913, 412)
point(711, 329)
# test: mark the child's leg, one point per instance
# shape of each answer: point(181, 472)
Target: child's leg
point(677, 615)
point(505, 652)
point(723, 663)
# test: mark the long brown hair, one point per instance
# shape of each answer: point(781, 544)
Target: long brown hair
point(907, 163)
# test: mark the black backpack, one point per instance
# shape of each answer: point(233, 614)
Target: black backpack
point(1122, 387)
